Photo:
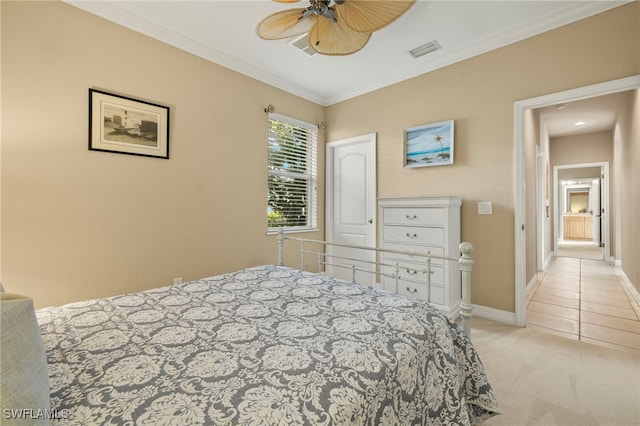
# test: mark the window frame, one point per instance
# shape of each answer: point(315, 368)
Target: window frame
point(310, 175)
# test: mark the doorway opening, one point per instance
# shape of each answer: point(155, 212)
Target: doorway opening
point(521, 108)
point(581, 197)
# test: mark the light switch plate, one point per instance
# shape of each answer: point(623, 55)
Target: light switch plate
point(485, 207)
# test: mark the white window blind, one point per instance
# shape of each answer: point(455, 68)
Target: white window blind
point(292, 200)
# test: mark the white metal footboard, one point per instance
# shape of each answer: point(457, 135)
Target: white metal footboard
point(400, 270)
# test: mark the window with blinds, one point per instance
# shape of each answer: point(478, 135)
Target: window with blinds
point(293, 174)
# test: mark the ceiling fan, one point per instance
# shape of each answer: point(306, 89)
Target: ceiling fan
point(334, 27)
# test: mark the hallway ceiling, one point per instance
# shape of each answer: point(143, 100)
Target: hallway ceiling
point(598, 114)
point(224, 32)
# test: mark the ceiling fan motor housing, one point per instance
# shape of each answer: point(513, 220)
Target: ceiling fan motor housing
point(321, 8)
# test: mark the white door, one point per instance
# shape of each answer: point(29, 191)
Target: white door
point(351, 206)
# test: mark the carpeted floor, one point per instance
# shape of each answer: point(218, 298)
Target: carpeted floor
point(543, 379)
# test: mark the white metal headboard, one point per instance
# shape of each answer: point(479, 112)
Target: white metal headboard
point(465, 260)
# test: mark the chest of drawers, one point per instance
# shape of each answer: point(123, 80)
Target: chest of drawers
point(422, 225)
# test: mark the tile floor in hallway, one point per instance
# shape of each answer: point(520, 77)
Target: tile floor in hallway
point(585, 300)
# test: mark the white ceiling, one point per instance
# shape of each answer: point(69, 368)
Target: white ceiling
point(224, 32)
point(597, 114)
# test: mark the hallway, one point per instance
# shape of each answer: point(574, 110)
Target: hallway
point(585, 300)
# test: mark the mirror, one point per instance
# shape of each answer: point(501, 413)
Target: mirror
point(578, 202)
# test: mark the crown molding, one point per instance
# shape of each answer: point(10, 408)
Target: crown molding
point(440, 59)
point(111, 12)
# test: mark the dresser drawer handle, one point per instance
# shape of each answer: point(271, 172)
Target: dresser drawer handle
point(415, 290)
point(415, 272)
point(412, 217)
point(412, 235)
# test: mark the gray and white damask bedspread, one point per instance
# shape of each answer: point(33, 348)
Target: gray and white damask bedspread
point(263, 346)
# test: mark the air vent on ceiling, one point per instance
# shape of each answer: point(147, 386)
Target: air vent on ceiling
point(301, 43)
point(432, 46)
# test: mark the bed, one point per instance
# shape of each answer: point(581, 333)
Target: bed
point(267, 345)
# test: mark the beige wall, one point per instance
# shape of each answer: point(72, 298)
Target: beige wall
point(547, 195)
point(531, 140)
point(79, 224)
point(629, 126)
point(1, 288)
point(479, 94)
point(583, 149)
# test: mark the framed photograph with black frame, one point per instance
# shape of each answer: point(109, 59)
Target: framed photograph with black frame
point(127, 126)
point(429, 145)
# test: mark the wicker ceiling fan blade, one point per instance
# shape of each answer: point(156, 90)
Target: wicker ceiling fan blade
point(371, 15)
point(334, 38)
point(285, 24)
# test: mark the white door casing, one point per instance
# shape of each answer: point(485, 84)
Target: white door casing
point(351, 204)
point(623, 84)
point(596, 198)
point(599, 197)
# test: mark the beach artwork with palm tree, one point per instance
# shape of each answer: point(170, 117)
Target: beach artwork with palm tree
point(429, 145)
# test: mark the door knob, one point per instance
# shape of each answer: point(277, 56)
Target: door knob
point(370, 220)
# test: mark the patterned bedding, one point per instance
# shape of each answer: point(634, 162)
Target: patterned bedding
point(267, 345)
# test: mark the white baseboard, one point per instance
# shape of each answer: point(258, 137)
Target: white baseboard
point(627, 282)
point(532, 283)
point(547, 261)
point(494, 314)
